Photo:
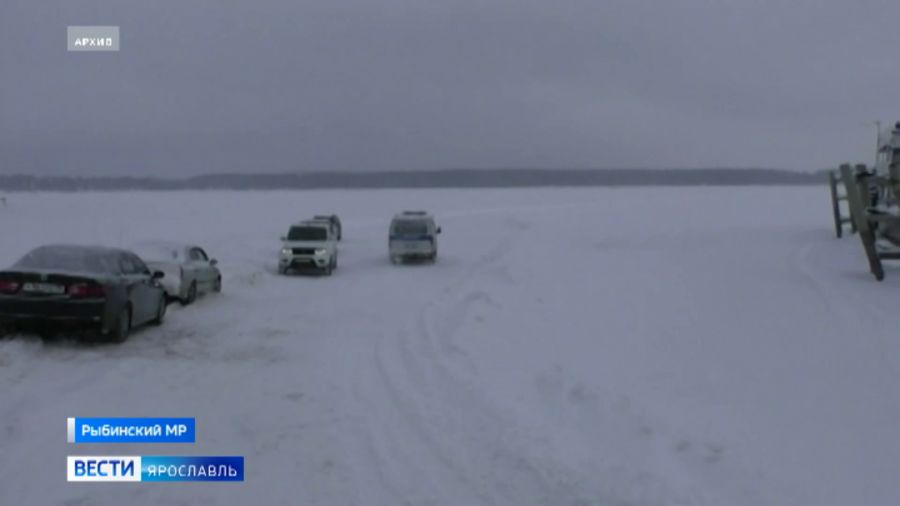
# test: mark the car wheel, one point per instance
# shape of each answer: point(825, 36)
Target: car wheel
point(329, 268)
point(218, 286)
point(161, 311)
point(191, 295)
point(121, 328)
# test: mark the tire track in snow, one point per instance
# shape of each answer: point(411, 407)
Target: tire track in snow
point(434, 387)
point(403, 369)
point(442, 397)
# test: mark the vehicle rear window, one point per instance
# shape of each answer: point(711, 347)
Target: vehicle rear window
point(307, 234)
point(69, 259)
point(409, 227)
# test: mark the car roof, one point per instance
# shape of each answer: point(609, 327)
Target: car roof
point(413, 217)
point(311, 223)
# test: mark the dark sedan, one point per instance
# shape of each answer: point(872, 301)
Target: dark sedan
point(104, 290)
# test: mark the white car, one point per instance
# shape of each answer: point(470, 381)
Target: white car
point(189, 272)
point(413, 235)
point(309, 244)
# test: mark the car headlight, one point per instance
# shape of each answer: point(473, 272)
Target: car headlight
point(321, 252)
point(286, 251)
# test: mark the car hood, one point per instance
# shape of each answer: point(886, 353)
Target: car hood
point(304, 244)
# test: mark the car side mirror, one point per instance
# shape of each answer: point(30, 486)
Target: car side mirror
point(284, 238)
point(158, 275)
point(438, 230)
point(213, 262)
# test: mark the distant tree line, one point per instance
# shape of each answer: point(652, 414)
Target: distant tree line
point(449, 178)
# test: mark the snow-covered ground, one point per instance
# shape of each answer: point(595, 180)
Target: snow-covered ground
point(682, 346)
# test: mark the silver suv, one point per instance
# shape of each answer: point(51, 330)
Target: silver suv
point(413, 235)
point(308, 244)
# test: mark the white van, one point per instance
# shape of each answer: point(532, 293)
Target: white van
point(413, 235)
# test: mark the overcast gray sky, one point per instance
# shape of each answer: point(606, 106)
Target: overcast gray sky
point(288, 85)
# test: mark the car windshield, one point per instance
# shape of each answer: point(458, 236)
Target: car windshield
point(307, 234)
point(61, 258)
point(409, 227)
point(151, 252)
